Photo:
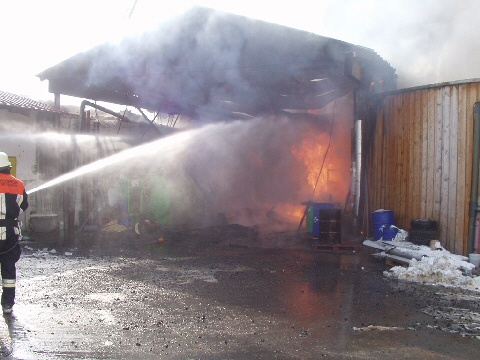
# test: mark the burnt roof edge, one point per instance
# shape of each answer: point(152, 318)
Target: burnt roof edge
point(427, 87)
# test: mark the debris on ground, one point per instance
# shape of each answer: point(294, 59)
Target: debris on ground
point(378, 328)
point(114, 226)
point(432, 265)
point(436, 270)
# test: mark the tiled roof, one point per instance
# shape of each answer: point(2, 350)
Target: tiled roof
point(12, 100)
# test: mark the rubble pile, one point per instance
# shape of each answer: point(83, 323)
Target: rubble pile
point(436, 270)
point(432, 265)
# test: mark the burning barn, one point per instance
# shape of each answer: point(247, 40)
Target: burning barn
point(260, 118)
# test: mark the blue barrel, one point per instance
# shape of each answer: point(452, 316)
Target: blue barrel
point(316, 216)
point(389, 233)
point(381, 219)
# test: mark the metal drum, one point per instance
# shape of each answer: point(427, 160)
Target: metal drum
point(315, 216)
point(330, 225)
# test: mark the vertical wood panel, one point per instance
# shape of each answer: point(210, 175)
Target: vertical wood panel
point(403, 113)
point(394, 167)
point(422, 129)
point(384, 150)
point(380, 185)
point(445, 166)
point(472, 98)
point(375, 172)
point(453, 167)
point(408, 162)
point(453, 176)
point(436, 191)
point(391, 174)
point(414, 169)
point(370, 168)
point(430, 154)
point(462, 163)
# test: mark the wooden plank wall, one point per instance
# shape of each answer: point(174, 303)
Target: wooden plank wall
point(421, 164)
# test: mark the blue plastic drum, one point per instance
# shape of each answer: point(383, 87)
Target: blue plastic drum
point(381, 219)
point(389, 233)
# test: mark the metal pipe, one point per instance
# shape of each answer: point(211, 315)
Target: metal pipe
point(150, 122)
point(477, 229)
point(403, 254)
point(101, 108)
point(366, 200)
point(475, 168)
point(358, 164)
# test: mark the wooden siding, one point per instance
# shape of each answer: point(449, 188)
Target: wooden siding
point(421, 164)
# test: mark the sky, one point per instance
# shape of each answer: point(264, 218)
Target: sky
point(427, 41)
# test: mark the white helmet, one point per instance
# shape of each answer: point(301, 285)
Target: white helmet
point(4, 162)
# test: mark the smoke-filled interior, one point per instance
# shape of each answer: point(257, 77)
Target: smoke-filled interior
point(255, 172)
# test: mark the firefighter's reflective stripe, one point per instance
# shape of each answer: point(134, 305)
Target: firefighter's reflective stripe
point(3, 206)
point(8, 283)
point(3, 210)
point(19, 202)
point(3, 232)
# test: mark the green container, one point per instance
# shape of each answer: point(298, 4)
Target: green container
point(310, 219)
point(160, 199)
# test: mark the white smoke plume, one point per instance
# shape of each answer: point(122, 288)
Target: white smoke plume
point(427, 41)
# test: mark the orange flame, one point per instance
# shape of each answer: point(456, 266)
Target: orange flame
point(311, 151)
point(334, 177)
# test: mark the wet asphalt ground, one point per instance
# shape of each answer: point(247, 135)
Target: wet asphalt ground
point(226, 293)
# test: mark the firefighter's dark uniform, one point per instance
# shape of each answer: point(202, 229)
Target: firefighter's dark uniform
point(13, 201)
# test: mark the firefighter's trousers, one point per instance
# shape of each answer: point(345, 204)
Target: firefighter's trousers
point(9, 255)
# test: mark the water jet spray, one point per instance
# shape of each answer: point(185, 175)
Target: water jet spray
point(171, 143)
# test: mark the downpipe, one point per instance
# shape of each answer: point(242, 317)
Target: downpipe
point(358, 164)
point(475, 167)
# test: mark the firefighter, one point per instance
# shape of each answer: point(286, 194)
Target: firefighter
point(13, 201)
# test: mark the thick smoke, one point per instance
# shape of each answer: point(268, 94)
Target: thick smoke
point(208, 62)
point(427, 41)
point(242, 170)
point(249, 163)
point(239, 169)
point(187, 58)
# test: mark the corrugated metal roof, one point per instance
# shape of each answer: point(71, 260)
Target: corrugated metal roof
point(13, 100)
